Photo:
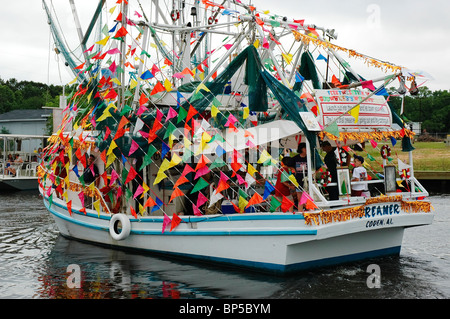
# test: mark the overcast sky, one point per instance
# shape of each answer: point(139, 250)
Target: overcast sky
point(413, 33)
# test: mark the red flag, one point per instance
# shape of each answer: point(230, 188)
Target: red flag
point(121, 32)
point(131, 175)
point(143, 99)
point(158, 88)
point(192, 111)
point(176, 220)
point(69, 207)
point(112, 94)
point(286, 204)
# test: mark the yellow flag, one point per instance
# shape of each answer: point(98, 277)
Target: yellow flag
point(92, 186)
point(104, 115)
point(256, 43)
point(97, 207)
point(251, 170)
point(287, 57)
point(355, 113)
point(201, 86)
point(167, 85)
point(294, 180)
point(111, 159)
point(242, 204)
point(133, 84)
point(246, 112)
point(214, 111)
point(265, 156)
point(159, 177)
point(165, 165)
point(103, 41)
point(145, 187)
point(112, 146)
point(187, 143)
point(112, 9)
point(116, 80)
point(73, 81)
point(141, 209)
point(175, 160)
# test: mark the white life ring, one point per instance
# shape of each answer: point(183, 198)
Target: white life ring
point(114, 231)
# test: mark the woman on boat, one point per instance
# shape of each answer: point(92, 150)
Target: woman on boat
point(359, 174)
point(9, 168)
point(284, 188)
point(300, 164)
point(331, 163)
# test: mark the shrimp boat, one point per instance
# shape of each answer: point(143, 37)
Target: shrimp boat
point(173, 139)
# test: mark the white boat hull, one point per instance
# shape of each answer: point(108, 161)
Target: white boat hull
point(279, 243)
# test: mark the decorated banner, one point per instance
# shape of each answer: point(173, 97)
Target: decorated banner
point(344, 108)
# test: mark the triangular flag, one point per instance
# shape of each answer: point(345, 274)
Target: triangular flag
point(201, 183)
point(242, 204)
point(274, 204)
point(166, 222)
point(176, 220)
point(355, 113)
point(177, 192)
point(268, 189)
point(256, 199)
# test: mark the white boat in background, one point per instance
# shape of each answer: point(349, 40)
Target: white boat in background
point(188, 162)
point(20, 174)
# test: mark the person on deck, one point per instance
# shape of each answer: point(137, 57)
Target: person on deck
point(284, 188)
point(331, 163)
point(91, 172)
point(359, 174)
point(300, 164)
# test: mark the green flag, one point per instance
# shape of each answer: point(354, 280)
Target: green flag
point(201, 183)
point(218, 162)
point(148, 157)
point(274, 204)
point(182, 113)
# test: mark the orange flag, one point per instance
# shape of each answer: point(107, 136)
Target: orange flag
point(256, 199)
point(177, 192)
point(180, 181)
point(150, 202)
point(133, 212)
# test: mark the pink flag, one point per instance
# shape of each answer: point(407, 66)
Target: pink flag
point(197, 211)
point(113, 67)
point(114, 176)
point(368, 85)
point(201, 199)
point(374, 144)
point(141, 110)
point(81, 197)
point(265, 43)
point(187, 169)
point(159, 115)
point(305, 198)
point(227, 46)
point(134, 146)
point(113, 51)
point(171, 114)
point(166, 222)
point(231, 120)
point(139, 191)
point(201, 171)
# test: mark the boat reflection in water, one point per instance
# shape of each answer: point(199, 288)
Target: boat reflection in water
point(111, 274)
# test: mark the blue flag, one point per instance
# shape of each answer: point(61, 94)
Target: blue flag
point(147, 75)
point(268, 189)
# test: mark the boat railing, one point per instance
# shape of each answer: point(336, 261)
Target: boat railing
point(77, 185)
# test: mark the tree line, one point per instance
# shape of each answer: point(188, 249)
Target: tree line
point(431, 108)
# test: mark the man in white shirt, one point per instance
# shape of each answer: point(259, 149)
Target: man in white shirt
point(359, 174)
